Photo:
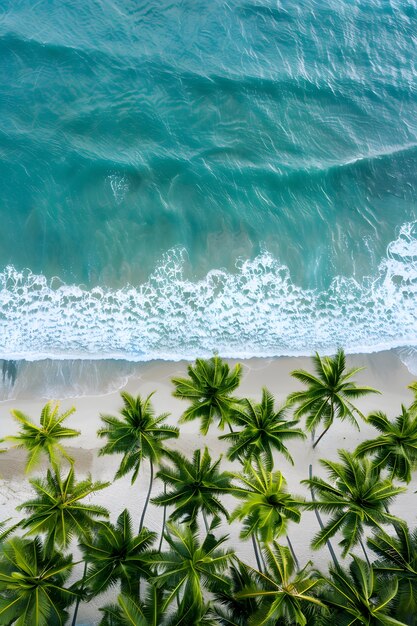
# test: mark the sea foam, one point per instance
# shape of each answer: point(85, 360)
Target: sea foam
point(255, 311)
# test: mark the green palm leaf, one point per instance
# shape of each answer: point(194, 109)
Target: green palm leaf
point(193, 487)
point(397, 560)
point(209, 386)
point(43, 440)
point(189, 567)
point(267, 506)
point(329, 393)
point(357, 497)
point(58, 510)
point(137, 435)
point(32, 584)
point(282, 591)
point(115, 554)
point(357, 597)
point(264, 431)
point(396, 448)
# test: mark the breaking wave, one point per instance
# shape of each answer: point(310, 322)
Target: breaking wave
point(255, 311)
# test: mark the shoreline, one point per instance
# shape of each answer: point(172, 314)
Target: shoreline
point(76, 378)
point(384, 371)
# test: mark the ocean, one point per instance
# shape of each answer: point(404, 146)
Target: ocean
point(186, 177)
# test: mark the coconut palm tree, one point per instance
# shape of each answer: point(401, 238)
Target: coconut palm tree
point(127, 612)
point(59, 510)
point(137, 435)
point(209, 386)
point(264, 430)
point(397, 560)
point(329, 393)
point(132, 612)
point(43, 440)
point(189, 567)
point(230, 610)
point(114, 554)
point(33, 584)
point(396, 448)
point(267, 506)
point(356, 496)
point(413, 388)
point(358, 598)
point(194, 487)
point(283, 591)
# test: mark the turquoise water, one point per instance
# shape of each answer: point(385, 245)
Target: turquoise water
point(182, 177)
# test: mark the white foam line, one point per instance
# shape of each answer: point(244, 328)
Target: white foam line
point(255, 312)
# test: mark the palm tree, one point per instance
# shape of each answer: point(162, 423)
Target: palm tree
point(413, 388)
point(283, 591)
point(58, 510)
point(127, 612)
point(397, 560)
point(195, 486)
point(356, 496)
point(230, 610)
point(32, 584)
point(396, 448)
point(328, 394)
point(138, 435)
point(209, 388)
point(358, 598)
point(131, 612)
point(263, 430)
point(115, 554)
point(267, 506)
point(45, 438)
point(190, 567)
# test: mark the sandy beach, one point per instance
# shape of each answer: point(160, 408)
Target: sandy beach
point(384, 371)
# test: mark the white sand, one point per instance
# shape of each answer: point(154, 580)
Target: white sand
point(384, 371)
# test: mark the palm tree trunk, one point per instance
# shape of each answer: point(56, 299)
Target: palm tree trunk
point(260, 552)
point(147, 497)
point(77, 604)
point(294, 556)
point(163, 521)
point(328, 544)
point(205, 522)
point(322, 435)
point(326, 429)
point(365, 553)
point(255, 549)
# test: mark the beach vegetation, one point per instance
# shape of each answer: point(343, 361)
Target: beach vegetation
point(357, 597)
point(395, 450)
point(397, 561)
point(267, 506)
point(356, 496)
point(116, 555)
point(190, 565)
point(329, 394)
point(193, 487)
point(283, 589)
point(209, 389)
point(264, 431)
point(201, 577)
point(138, 434)
point(33, 584)
point(43, 439)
